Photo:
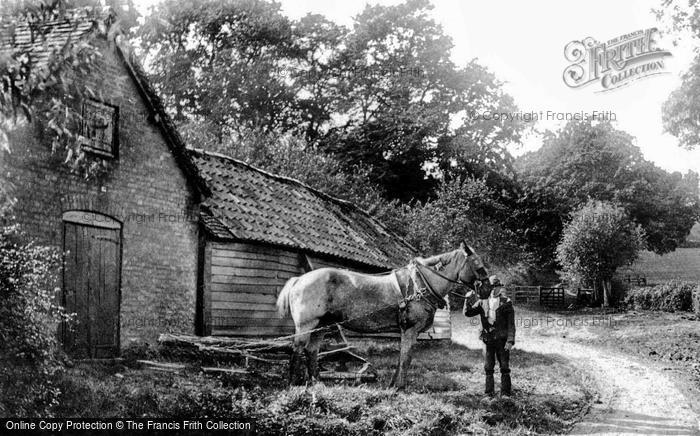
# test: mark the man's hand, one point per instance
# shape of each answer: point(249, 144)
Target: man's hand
point(471, 299)
point(509, 346)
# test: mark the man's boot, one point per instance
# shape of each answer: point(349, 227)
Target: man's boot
point(505, 384)
point(489, 389)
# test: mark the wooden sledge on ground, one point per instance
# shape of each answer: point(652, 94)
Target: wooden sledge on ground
point(338, 361)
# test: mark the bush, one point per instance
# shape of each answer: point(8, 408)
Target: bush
point(670, 297)
point(29, 318)
point(600, 238)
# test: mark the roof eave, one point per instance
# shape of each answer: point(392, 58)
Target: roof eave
point(382, 266)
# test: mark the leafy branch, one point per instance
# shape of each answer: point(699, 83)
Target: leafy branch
point(44, 66)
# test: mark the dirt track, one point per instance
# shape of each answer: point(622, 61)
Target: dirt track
point(634, 398)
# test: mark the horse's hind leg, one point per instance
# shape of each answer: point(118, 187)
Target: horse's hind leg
point(311, 352)
point(300, 342)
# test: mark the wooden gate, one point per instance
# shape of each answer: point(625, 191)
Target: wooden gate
point(552, 297)
point(91, 284)
point(526, 294)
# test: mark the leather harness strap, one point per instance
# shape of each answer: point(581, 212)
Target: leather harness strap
point(412, 289)
point(426, 292)
point(438, 301)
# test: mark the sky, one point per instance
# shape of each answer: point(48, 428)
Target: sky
point(523, 44)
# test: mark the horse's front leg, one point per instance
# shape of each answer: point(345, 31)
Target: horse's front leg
point(408, 340)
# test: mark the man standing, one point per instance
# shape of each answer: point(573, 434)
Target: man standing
point(497, 331)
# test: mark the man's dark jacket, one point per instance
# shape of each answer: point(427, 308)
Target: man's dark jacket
point(504, 325)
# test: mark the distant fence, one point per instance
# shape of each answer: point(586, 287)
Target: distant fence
point(549, 296)
point(552, 297)
point(526, 294)
point(635, 279)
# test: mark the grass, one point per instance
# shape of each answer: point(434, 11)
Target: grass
point(444, 396)
point(683, 264)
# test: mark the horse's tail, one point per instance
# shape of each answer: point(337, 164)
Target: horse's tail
point(283, 299)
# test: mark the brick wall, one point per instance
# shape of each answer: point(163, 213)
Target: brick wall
point(145, 190)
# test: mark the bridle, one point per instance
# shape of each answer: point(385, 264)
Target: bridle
point(477, 283)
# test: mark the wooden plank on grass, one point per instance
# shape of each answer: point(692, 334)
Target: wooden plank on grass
point(224, 371)
point(162, 366)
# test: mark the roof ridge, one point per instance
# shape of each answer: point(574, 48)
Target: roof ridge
point(306, 186)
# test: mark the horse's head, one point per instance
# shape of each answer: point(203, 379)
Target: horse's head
point(472, 271)
point(461, 266)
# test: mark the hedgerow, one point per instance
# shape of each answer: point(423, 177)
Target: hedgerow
point(675, 295)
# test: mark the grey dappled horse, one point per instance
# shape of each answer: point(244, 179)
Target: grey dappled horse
point(403, 301)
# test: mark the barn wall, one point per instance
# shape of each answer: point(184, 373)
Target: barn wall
point(144, 189)
point(245, 280)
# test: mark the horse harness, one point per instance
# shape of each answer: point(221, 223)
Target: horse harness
point(417, 287)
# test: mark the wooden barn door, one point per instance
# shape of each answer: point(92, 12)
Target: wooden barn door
point(92, 247)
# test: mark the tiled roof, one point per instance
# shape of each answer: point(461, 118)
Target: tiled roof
point(42, 41)
point(19, 38)
point(249, 204)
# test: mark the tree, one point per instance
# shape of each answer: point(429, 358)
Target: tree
point(538, 219)
point(383, 95)
point(599, 239)
point(586, 160)
point(681, 112)
point(406, 104)
point(465, 209)
point(239, 63)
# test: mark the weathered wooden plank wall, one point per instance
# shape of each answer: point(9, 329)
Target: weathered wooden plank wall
point(245, 282)
point(245, 279)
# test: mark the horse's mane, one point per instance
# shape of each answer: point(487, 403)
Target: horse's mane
point(443, 258)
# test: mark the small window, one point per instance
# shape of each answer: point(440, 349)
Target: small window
point(98, 129)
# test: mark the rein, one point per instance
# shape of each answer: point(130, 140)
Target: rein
point(438, 297)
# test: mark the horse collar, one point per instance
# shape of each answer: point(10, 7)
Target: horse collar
point(414, 290)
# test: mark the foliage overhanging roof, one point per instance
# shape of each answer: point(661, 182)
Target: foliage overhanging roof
point(44, 41)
